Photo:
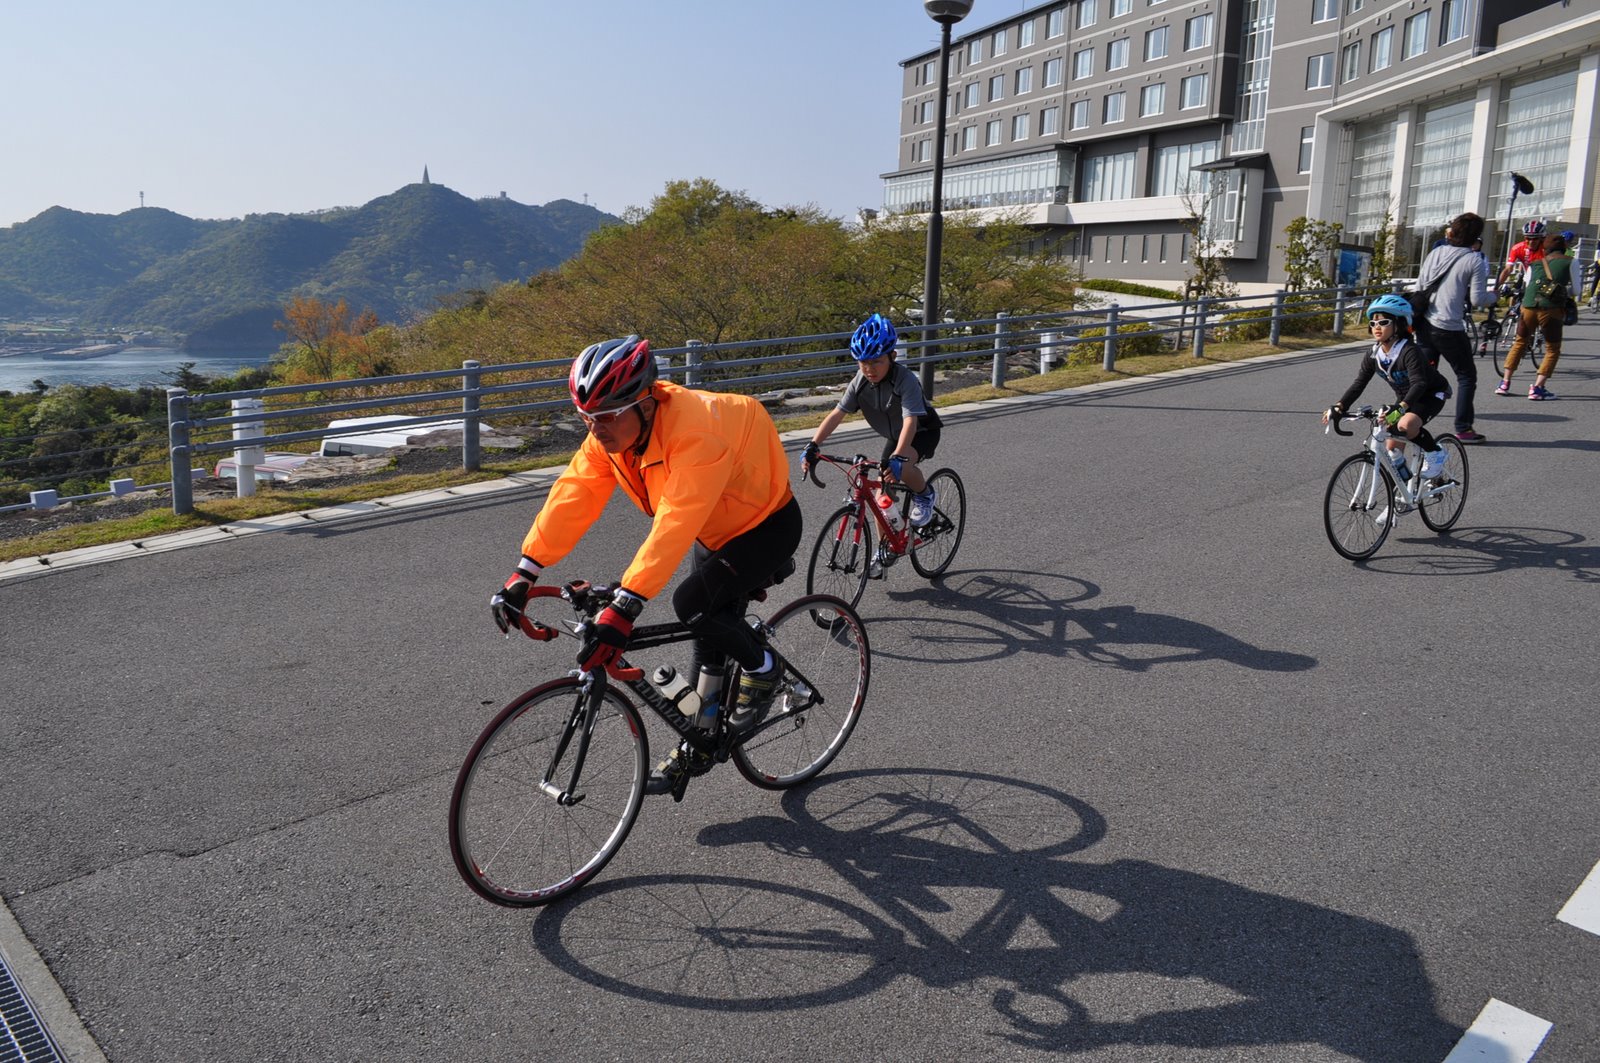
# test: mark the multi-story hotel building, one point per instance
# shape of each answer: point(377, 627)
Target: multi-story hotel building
point(1112, 123)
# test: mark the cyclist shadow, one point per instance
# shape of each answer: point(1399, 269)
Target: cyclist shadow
point(1039, 612)
point(971, 885)
point(1477, 551)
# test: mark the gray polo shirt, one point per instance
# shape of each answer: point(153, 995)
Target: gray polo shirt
point(889, 402)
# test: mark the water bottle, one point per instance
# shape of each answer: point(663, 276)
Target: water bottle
point(890, 510)
point(676, 689)
point(1397, 458)
point(710, 690)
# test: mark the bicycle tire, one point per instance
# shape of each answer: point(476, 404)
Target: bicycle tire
point(514, 844)
point(821, 638)
point(1440, 512)
point(1347, 516)
point(934, 546)
point(841, 560)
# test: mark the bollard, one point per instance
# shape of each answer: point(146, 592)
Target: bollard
point(1202, 311)
point(997, 372)
point(691, 363)
point(178, 438)
point(245, 459)
point(1110, 361)
point(1277, 318)
point(1047, 352)
point(1338, 311)
point(471, 451)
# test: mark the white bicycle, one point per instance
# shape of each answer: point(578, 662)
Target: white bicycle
point(1365, 496)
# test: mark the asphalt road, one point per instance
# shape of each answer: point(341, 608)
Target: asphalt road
point(1152, 774)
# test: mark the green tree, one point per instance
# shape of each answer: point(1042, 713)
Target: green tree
point(1308, 249)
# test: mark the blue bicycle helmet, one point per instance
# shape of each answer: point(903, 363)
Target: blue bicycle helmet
point(873, 338)
point(1393, 305)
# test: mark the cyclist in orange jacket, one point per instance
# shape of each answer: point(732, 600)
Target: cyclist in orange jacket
point(711, 473)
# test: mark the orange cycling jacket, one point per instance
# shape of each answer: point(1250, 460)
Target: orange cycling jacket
point(713, 469)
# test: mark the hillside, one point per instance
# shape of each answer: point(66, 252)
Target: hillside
point(223, 282)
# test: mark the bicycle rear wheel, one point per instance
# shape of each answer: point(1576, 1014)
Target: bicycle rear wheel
point(842, 556)
point(1441, 511)
point(1358, 507)
point(934, 546)
point(827, 664)
point(513, 843)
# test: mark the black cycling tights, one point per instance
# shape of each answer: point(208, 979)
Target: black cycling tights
point(711, 598)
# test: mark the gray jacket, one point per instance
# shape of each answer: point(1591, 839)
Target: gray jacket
point(1462, 281)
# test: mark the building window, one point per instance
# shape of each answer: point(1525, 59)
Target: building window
point(1174, 167)
point(1019, 127)
point(1049, 121)
point(1534, 138)
point(997, 87)
point(1197, 33)
point(1108, 177)
point(1024, 80)
point(974, 95)
point(1152, 100)
point(926, 109)
point(1441, 157)
point(974, 52)
point(1116, 107)
point(1117, 54)
point(1382, 48)
point(1079, 114)
point(1083, 14)
point(999, 48)
point(1155, 44)
point(1417, 34)
point(1319, 71)
point(1350, 62)
point(1452, 20)
point(1324, 10)
point(1025, 34)
point(1121, 7)
point(1052, 73)
point(1255, 75)
point(1308, 140)
point(1352, 7)
point(969, 138)
point(991, 133)
point(1195, 91)
point(1055, 23)
point(928, 70)
point(1082, 64)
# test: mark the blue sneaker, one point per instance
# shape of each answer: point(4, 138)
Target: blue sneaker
point(922, 507)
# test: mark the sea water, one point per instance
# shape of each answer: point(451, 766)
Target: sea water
point(130, 367)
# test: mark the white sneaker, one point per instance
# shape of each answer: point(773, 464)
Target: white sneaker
point(922, 507)
point(1433, 464)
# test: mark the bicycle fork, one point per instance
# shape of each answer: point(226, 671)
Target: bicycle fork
point(580, 724)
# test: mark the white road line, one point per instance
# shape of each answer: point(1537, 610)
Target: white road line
point(1582, 909)
point(1500, 1034)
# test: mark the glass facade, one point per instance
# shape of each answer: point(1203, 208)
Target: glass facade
point(1250, 127)
point(1533, 139)
point(1441, 155)
point(1109, 177)
point(1037, 178)
point(1371, 174)
point(1173, 173)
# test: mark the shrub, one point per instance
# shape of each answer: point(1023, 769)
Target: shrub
point(1134, 339)
point(1244, 326)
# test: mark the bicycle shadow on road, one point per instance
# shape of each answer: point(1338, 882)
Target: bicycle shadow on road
point(966, 882)
point(1039, 612)
point(1479, 551)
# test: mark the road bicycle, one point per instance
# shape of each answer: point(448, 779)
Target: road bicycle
point(1363, 499)
point(843, 558)
point(552, 786)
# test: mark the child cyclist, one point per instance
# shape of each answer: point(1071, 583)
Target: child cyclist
point(890, 397)
point(1420, 389)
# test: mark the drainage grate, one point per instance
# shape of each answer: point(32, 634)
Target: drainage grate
point(23, 1038)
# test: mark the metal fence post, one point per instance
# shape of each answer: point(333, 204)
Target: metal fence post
point(245, 459)
point(1202, 312)
point(691, 362)
point(1110, 361)
point(997, 373)
point(1277, 317)
point(1338, 310)
point(471, 454)
point(178, 437)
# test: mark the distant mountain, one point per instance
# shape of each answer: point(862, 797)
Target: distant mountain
point(223, 283)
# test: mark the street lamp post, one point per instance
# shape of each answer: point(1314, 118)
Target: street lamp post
point(946, 13)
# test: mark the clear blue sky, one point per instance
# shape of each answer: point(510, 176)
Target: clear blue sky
point(216, 109)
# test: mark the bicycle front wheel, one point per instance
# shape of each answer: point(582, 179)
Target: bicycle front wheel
point(1441, 505)
point(827, 664)
point(934, 546)
point(1358, 508)
point(514, 842)
point(842, 556)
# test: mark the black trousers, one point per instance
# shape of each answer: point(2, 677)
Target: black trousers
point(711, 598)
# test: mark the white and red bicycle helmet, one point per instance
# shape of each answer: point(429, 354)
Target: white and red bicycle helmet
point(611, 374)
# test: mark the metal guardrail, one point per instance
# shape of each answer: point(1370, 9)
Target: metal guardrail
point(299, 413)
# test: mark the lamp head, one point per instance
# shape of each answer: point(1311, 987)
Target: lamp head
point(947, 12)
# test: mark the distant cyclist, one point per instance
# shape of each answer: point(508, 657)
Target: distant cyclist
point(890, 397)
point(1420, 391)
point(709, 470)
point(1527, 251)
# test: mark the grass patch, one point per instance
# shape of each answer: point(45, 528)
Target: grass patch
point(274, 500)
